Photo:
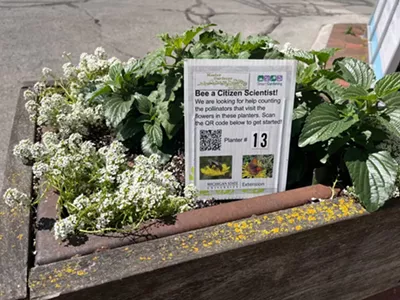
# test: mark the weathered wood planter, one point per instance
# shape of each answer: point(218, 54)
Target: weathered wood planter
point(327, 250)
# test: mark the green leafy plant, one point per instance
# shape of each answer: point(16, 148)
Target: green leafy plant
point(341, 129)
point(144, 100)
point(332, 124)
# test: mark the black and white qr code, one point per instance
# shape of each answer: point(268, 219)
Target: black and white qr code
point(210, 140)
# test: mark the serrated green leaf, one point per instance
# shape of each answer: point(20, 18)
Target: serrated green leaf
point(307, 74)
point(300, 111)
point(149, 148)
point(325, 54)
point(244, 55)
point(273, 54)
point(190, 34)
point(324, 122)
point(143, 103)
point(153, 61)
point(130, 127)
point(101, 90)
point(373, 176)
point(354, 92)
point(115, 71)
point(334, 146)
point(334, 90)
point(116, 109)
point(170, 84)
point(388, 84)
point(132, 66)
point(356, 71)
point(392, 102)
point(154, 132)
point(304, 56)
point(328, 74)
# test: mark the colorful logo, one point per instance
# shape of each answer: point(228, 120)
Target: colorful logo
point(269, 78)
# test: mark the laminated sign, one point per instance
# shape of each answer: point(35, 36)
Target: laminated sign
point(238, 117)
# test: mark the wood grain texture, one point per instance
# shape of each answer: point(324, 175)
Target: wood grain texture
point(14, 223)
point(290, 254)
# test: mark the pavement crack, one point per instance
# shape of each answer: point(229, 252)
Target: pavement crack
point(275, 23)
point(200, 10)
point(29, 4)
point(95, 20)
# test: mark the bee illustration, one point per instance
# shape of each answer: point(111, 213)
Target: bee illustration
point(253, 167)
point(215, 165)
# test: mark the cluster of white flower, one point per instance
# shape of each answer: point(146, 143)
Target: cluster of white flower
point(39, 87)
point(47, 72)
point(65, 227)
point(13, 198)
point(115, 161)
point(29, 152)
point(79, 118)
point(97, 187)
point(49, 108)
point(142, 192)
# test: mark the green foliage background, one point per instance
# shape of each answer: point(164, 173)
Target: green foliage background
point(337, 132)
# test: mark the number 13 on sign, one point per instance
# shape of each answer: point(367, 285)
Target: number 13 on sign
point(259, 139)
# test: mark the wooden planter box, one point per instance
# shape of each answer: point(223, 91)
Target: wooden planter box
point(328, 250)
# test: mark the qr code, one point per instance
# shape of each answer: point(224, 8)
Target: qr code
point(210, 140)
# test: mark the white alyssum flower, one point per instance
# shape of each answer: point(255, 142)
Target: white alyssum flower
point(100, 53)
point(30, 96)
point(39, 169)
point(81, 202)
point(28, 151)
point(32, 107)
point(47, 71)
point(191, 192)
point(39, 87)
point(65, 227)
point(114, 158)
point(69, 70)
point(49, 109)
point(14, 198)
point(50, 140)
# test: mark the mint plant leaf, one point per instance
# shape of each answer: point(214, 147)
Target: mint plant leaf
point(325, 54)
point(373, 176)
point(129, 128)
point(354, 92)
point(334, 90)
point(300, 111)
point(143, 103)
point(116, 109)
point(392, 102)
point(190, 34)
point(324, 122)
point(154, 132)
point(170, 84)
point(153, 61)
point(307, 74)
point(356, 71)
point(304, 56)
point(115, 71)
point(388, 84)
point(149, 148)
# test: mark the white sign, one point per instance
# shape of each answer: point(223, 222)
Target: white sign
point(238, 117)
point(384, 37)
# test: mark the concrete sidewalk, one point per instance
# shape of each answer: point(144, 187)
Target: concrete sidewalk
point(34, 33)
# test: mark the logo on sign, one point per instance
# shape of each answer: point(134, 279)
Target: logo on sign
point(269, 79)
